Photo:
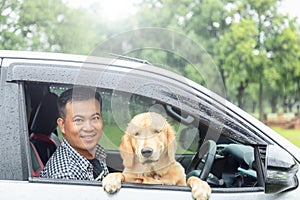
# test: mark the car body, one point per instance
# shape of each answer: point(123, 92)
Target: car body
point(250, 161)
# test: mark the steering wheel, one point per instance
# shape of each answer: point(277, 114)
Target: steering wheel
point(207, 151)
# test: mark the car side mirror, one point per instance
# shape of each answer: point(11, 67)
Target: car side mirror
point(189, 139)
point(281, 170)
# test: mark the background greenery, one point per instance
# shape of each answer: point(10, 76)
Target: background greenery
point(255, 46)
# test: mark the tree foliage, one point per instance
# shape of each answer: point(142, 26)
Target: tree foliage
point(46, 26)
point(256, 48)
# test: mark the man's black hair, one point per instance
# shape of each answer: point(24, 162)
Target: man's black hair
point(76, 93)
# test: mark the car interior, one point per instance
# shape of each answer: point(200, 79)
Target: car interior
point(223, 162)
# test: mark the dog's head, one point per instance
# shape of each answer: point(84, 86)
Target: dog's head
point(148, 139)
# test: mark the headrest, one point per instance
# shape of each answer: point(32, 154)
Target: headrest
point(44, 120)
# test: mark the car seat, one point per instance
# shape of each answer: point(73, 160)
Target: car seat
point(36, 162)
point(43, 126)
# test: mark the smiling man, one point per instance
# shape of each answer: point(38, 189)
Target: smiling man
point(79, 156)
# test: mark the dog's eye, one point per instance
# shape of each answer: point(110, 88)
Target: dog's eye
point(156, 131)
point(137, 133)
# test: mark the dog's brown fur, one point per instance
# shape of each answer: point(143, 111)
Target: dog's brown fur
point(151, 134)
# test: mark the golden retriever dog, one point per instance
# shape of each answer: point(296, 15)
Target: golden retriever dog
point(148, 152)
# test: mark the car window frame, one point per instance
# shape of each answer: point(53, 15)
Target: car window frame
point(15, 165)
point(222, 188)
point(129, 185)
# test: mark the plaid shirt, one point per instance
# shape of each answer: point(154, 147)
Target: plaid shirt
point(66, 163)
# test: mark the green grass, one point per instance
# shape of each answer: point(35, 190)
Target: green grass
point(111, 137)
point(292, 135)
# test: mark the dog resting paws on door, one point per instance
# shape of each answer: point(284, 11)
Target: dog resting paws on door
point(148, 152)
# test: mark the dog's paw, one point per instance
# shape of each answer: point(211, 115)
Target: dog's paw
point(200, 189)
point(112, 182)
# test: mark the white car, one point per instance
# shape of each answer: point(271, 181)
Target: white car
point(236, 154)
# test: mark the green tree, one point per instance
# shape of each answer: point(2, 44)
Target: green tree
point(237, 50)
point(11, 36)
point(237, 34)
point(284, 49)
point(30, 24)
point(255, 47)
point(48, 26)
point(260, 48)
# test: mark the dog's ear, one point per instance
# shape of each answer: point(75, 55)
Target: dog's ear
point(126, 151)
point(171, 142)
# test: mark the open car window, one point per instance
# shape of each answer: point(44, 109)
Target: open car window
point(236, 164)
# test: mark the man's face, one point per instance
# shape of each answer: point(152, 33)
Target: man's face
point(82, 126)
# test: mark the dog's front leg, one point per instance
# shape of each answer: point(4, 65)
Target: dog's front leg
point(112, 182)
point(200, 189)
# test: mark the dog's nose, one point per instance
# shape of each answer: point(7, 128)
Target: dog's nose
point(147, 152)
